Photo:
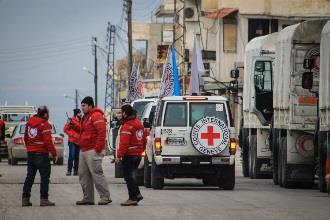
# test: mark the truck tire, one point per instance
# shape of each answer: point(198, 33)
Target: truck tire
point(157, 179)
point(227, 177)
point(253, 157)
point(284, 170)
point(245, 152)
point(322, 157)
point(210, 181)
point(274, 158)
point(119, 170)
point(147, 173)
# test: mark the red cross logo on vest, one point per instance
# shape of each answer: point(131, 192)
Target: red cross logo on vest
point(210, 136)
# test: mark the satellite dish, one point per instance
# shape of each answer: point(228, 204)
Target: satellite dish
point(189, 13)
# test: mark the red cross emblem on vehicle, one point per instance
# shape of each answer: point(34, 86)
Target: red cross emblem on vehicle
point(210, 136)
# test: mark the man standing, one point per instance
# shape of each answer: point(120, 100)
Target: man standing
point(2, 130)
point(327, 173)
point(92, 146)
point(73, 134)
point(131, 146)
point(38, 141)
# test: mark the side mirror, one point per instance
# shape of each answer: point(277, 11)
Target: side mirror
point(308, 64)
point(234, 73)
point(307, 80)
point(233, 86)
point(146, 123)
point(8, 136)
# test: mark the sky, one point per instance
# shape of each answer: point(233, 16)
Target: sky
point(45, 43)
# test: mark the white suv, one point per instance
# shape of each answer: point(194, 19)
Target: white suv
point(191, 137)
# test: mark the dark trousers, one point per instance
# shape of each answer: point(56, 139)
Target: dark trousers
point(130, 163)
point(73, 161)
point(37, 162)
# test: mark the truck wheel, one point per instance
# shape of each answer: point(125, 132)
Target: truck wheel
point(227, 177)
point(275, 156)
point(119, 170)
point(245, 153)
point(147, 173)
point(322, 157)
point(210, 181)
point(284, 171)
point(157, 179)
point(253, 157)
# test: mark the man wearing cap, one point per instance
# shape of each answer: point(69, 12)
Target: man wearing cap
point(92, 145)
point(38, 141)
point(73, 134)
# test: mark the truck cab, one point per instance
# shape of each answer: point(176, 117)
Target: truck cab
point(192, 137)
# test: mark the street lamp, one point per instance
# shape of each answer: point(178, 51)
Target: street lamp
point(95, 82)
point(73, 98)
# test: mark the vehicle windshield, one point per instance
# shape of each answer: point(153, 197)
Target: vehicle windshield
point(139, 107)
point(15, 117)
point(22, 129)
point(200, 110)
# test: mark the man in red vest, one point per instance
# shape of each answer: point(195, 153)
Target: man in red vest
point(2, 130)
point(92, 145)
point(132, 142)
point(74, 150)
point(38, 141)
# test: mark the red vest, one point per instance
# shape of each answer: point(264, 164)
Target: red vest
point(38, 136)
point(71, 132)
point(132, 138)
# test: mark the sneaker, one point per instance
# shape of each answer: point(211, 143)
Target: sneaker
point(75, 173)
point(84, 202)
point(68, 174)
point(26, 202)
point(46, 202)
point(129, 202)
point(139, 197)
point(104, 202)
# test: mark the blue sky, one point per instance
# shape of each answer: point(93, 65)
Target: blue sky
point(45, 43)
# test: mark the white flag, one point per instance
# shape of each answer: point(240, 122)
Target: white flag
point(135, 89)
point(197, 69)
point(167, 82)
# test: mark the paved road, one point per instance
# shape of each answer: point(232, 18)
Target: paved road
point(181, 199)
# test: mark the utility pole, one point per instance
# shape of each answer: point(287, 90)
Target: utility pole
point(76, 98)
point(110, 75)
point(95, 68)
point(129, 36)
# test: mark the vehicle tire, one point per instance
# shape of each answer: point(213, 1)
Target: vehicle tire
point(227, 177)
point(279, 163)
point(157, 179)
point(245, 152)
point(119, 170)
point(275, 136)
point(284, 169)
point(14, 161)
point(139, 179)
point(147, 173)
point(59, 161)
point(210, 181)
point(322, 157)
point(253, 157)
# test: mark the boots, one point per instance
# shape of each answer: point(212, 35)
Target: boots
point(68, 173)
point(130, 202)
point(139, 197)
point(105, 201)
point(46, 202)
point(26, 202)
point(84, 202)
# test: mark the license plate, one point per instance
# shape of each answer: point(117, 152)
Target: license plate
point(176, 141)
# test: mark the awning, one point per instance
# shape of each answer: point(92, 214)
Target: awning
point(221, 13)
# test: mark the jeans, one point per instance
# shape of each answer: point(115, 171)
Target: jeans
point(73, 161)
point(41, 162)
point(130, 163)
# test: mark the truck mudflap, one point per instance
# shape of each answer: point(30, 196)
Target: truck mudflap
point(300, 173)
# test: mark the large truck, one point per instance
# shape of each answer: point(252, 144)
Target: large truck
point(322, 134)
point(257, 107)
point(12, 116)
point(297, 55)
